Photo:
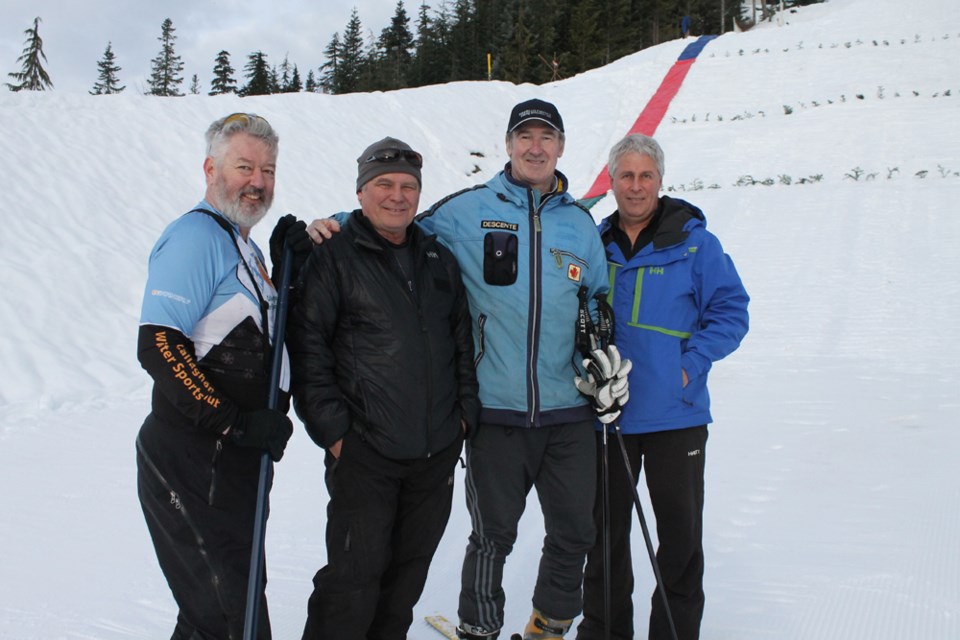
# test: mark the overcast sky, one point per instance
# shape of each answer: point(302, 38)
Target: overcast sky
point(75, 34)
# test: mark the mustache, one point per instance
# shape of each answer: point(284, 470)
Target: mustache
point(257, 191)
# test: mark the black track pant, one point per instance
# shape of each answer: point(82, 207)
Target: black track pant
point(199, 503)
point(385, 519)
point(503, 464)
point(673, 463)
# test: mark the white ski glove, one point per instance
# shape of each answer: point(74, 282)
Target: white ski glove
point(606, 382)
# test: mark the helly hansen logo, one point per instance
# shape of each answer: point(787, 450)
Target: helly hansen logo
point(433, 254)
point(499, 224)
point(655, 271)
point(693, 454)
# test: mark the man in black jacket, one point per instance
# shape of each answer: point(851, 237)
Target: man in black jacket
point(383, 379)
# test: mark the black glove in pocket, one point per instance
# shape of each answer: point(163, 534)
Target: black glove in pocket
point(500, 258)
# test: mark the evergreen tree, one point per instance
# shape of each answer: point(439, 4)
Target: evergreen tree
point(418, 67)
point(661, 16)
point(374, 72)
point(396, 43)
point(352, 58)
point(517, 54)
point(166, 67)
point(311, 84)
point(195, 85)
point(282, 76)
point(257, 74)
point(329, 70)
point(489, 15)
point(295, 85)
point(543, 16)
point(582, 36)
point(32, 76)
point(274, 80)
point(223, 80)
point(463, 48)
point(107, 80)
point(429, 65)
point(707, 18)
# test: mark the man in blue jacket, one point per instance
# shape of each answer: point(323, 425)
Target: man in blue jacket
point(525, 248)
point(679, 306)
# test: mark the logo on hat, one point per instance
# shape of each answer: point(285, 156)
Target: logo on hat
point(535, 110)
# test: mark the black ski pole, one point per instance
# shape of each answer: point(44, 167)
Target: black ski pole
point(255, 579)
point(646, 531)
point(589, 338)
point(607, 623)
point(604, 335)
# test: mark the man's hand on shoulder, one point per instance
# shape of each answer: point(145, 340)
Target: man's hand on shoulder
point(322, 229)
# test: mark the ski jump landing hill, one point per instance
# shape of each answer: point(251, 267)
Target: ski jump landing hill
point(651, 116)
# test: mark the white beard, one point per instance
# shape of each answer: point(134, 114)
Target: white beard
point(242, 213)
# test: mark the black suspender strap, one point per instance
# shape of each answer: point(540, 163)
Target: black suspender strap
point(264, 305)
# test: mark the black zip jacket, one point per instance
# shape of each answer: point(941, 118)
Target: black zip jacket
point(369, 353)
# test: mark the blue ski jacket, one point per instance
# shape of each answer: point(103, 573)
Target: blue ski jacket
point(523, 257)
point(679, 304)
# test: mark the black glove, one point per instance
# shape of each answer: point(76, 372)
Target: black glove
point(292, 233)
point(266, 429)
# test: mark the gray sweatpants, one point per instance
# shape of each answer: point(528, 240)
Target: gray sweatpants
point(503, 463)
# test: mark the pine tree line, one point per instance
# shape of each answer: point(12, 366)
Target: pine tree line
point(533, 41)
point(165, 71)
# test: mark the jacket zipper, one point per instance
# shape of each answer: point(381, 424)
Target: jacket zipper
point(429, 359)
point(213, 471)
point(535, 305)
point(415, 299)
point(558, 255)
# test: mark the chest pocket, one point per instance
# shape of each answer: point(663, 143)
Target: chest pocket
point(500, 250)
point(438, 272)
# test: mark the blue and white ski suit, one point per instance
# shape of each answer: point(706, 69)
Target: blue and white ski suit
point(523, 258)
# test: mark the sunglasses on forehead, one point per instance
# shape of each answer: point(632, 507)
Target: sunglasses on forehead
point(395, 155)
point(245, 118)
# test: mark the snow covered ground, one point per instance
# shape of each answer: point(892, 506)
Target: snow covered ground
point(833, 501)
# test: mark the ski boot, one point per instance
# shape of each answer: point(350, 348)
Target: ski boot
point(542, 627)
point(471, 632)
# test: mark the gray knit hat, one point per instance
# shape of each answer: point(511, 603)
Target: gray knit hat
point(388, 156)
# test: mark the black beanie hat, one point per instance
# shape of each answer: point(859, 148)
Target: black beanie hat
point(388, 156)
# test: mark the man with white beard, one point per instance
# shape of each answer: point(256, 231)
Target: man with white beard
point(206, 325)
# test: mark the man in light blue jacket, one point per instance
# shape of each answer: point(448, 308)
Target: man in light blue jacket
point(679, 306)
point(525, 248)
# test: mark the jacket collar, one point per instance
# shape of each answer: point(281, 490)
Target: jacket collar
point(517, 192)
point(366, 236)
point(677, 218)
